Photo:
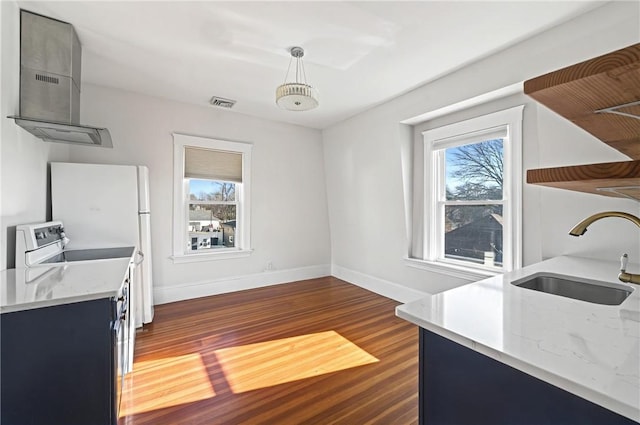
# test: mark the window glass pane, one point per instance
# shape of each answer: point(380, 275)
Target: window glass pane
point(211, 190)
point(211, 227)
point(474, 233)
point(474, 171)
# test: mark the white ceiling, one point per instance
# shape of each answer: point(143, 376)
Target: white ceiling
point(358, 54)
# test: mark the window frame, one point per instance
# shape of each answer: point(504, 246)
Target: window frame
point(436, 141)
point(181, 200)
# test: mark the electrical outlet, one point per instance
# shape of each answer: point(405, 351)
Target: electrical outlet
point(269, 266)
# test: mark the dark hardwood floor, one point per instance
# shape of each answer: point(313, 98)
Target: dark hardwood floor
point(319, 351)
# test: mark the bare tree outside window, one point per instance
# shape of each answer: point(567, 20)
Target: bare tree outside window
point(219, 192)
point(474, 172)
point(480, 164)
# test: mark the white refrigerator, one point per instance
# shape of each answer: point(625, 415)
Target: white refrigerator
point(104, 206)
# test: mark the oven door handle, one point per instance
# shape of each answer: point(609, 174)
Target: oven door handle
point(140, 255)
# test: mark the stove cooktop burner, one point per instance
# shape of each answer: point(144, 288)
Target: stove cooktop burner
point(90, 254)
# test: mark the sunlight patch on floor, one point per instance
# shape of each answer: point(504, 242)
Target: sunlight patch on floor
point(165, 382)
point(265, 364)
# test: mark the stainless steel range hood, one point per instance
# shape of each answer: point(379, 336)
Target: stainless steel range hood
point(50, 59)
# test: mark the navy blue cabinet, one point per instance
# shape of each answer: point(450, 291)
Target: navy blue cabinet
point(58, 365)
point(459, 386)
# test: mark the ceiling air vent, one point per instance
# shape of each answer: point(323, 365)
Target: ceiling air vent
point(221, 102)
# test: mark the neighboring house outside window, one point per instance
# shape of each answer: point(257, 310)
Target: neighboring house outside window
point(211, 198)
point(473, 179)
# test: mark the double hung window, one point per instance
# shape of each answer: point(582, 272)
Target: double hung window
point(472, 193)
point(211, 199)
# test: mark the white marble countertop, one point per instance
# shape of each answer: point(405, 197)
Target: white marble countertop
point(65, 283)
point(590, 350)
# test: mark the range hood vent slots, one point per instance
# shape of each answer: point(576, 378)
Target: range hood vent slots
point(50, 61)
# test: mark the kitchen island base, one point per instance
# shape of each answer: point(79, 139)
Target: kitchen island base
point(461, 386)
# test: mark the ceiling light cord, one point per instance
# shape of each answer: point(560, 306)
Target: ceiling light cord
point(288, 69)
point(304, 74)
point(301, 74)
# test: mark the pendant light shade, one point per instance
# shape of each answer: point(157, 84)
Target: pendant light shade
point(297, 95)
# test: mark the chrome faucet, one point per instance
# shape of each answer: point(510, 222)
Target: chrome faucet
point(580, 228)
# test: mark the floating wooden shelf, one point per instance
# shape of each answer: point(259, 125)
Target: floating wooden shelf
point(578, 91)
point(602, 96)
point(618, 179)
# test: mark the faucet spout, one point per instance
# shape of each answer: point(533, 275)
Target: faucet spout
point(580, 228)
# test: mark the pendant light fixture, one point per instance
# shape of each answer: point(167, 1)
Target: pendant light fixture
point(296, 95)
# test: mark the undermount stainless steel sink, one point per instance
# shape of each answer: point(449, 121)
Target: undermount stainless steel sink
point(570, 287)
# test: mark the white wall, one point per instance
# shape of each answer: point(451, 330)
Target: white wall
point(289, 209)
point(364, 157)
point(23, 157)
point(355, 167)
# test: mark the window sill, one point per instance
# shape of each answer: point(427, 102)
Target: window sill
point(467, 273)
point(211, 256)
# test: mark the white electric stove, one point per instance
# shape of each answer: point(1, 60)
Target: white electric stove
point(45, 244)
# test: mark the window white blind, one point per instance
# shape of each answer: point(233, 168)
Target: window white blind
point(212, 164)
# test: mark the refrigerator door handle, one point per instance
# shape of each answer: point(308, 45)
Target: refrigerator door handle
point(140, 255)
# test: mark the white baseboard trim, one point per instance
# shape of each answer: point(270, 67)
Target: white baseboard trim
point(382, 287)
point(167, 294)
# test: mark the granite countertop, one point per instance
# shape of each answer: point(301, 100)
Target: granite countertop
point(590, 350)
point(63, 283)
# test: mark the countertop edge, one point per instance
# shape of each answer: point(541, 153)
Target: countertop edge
point(53, 303)
point(122, 264)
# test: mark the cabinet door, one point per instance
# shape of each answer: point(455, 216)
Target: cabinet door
point(57, 364)
point(463, 387)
